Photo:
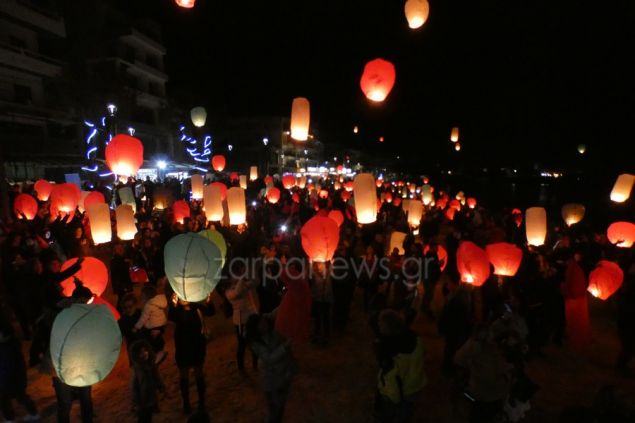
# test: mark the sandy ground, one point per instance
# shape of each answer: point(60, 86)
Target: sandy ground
point(336, 383)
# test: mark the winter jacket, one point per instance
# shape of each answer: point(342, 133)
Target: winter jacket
point(244, 301)
point(154, 314)
point(404, 376)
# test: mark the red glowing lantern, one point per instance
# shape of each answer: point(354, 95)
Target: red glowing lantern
point(64, 198)
point(455, 204)
point(223, 189)
point(337, 216)
point(504, 257)
point(345, 195)
point(471, 202)
point(218, 163)
point(324, 194)
point(181, 210)
point(396, 201)
point(605, 279)
point(234, 176)
point(388, 198)
point(113, 310)
point(268, 180)
point(378, 183)
point(621, 234)
point(43, 188)
point(95, 197)
point(273, 195)
point(320, 237)
point(186, 4)
point(348, 186)
point(288, 181)
point(296, 198)
point(442, 255)
point(449, 213)
point(25, 206)
point(472, 263)
point(124, 155)
point(92, 273)
point(377, 80)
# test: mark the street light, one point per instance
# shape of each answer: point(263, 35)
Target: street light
point(161, 164)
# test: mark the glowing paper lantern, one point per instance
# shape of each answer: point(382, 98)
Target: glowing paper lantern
point(43, 189)
point(295, 198)
point(300, 119)
point(621, 234)
point(253, 173)
point(64, 198)
point(217, 238)
point(127, 197)
point(197, 187)
point(416, 13)
point(320, 237)
point(188, 4)
point(471, 202)
point(396, 241)
point(345, 195)
point(100, 226)
point(454, 134)
point(323, 194)
point(536, 226)
point(236, 206)
point(94, 197)
point(581, 148)
point(124, 155)
point(426, 194)
point(25, 206)
point(243, 181)
point(160, 199)
point(301, 182)
point(288, 181)
point(348, 186)
point(442, 255)
point(273, 195)
point(457, 146)
point(85, 344)
point(622, 188)
point(415, 213)
point(213, 202)
point(337, 217)
point(126, 227)
point(197, 114)
point(101, 301)
point(378, 80)
point(472, 263)
point(181, 211)
point(365, 198)
point(93, 274)
point(455, 204)
point(223, 189)
point(218, 163)
point(268, 181)
point(505, 258)
point(572, 213)
point(605, 279)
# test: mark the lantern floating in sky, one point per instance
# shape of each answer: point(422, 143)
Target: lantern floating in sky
point(100, 226)
point(253, 173)
point(454, 134)
point(181, 211)
point(94, 197)
point(320, 237)
point(457, 146)
point(622, 188)
point(536, 226)
point(242, 180)
point(300, 119)
point(43, 189)
point(581, 148)
point(417, 12)
point(365, 198)
point(25, 207)
point(236, 206)
point(301, 181)
point(192, 266)
point(355, 130)
point(378, 80)
point(85, 344)
point(505, 258)
point(213, 203)
point(197, 114)
point(197, 187)
point(160, 199)
point(471, 202)
point(605, 279)
point(124, 155)
point(188, 4)
point(93, 274)
point(273, 195)
point(621, 234)
point(396, 242)
point(126, 227)
point(64, 198)
point(415, 212)
point(288, 181)
point(218, 162)
point(472, 263)
point(572, 213)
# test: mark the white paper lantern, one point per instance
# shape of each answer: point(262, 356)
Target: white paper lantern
point(99, 218)
point(365, 193)
point(236, 206)
point(622, 188)
point(536, 226)
point(396, 241)
point(417, 12)
point(415, 212)
point(253, 173)
point(213, 202)
point(199, 116)
point(197, 187)
point(126, 227)
point(300, 119)
point(243, 181)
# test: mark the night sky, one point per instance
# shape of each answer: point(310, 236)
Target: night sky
point(526, 81)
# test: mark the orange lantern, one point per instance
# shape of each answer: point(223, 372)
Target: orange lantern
point(218, 163)
point(378, 80)
point(442, 255)
point(572, 213)
point(457, 146)
point(301, 182)
point(345, 195)
point(25, 206)
point(64, 198)
point(605, 279)
point(449, 213)
point(621, 234)
point(113, 310)
point(416, 13)
point(300, 119)
point(339, 169)
point(253, 173)
point(415, 213)
point(92, 273)
point(536, 226)
point(622, 188)
point(100, 225)
point(396, 201)
point(471, 202)
point(268, 181)
point(365, 198)
point(181, 210)
point(323, 194)
point(236, 206)
point(320, 237)
point(126, 227)
point(94, 197)
point(242, 181)
point(223, 189)
point(187, 4)
point(234, 177)
point(124, 155)
point(288, 181)
point(213, 201)
point(295, 198)
point(43, 188)
point(337, 217)
point(197, 187)
point(454, 134)
point(388, 198)
point(378, 183)
point(472, 263)
point(273, 195)
point(505, 258)
point(348, 186)
point(455, 204)
point(396, 242)
point(517, 215)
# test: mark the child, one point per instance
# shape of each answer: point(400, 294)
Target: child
point(147, 381)
point(153, 320)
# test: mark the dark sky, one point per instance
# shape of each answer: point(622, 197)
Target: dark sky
point(525, 81)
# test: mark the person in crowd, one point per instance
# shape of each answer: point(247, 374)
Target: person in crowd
point(244, 301)
point(120, 273)
point(322, 294)
point(147, 382)
point(153, 320)
point(293, 317)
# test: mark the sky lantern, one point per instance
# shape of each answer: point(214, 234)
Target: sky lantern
point(126, 227)
point(449, 213)
point(355, 129)
point(381, 139)
point(124, 155)
point(197, 187)
point(268, 181)
point(323, 194)
point(517, 215)
point(242, 181)
point(505, 258)
point(337, 217)
point(300, 119)
point(622, 188)
point(396, 201)
point(345, 195)
point(43, 189)
point(621, 234)
point(197, 114)
point(572, 213)
point(348, 186)
point(273, 195)
point(396, 241)
point(301, 182)
point(388, 197)
point(365, 198)
point(126, 195)
point(253, 173)
point(426, 194)
point(581, 148)
point(85, 344)
point(471, 202)
point(160, 199)
point(93, 273)
point(442, 255)
point(218, 162)
point(213, 202)
point(472, 263)
point(415, 213)
point(295, 198)
point(188, 4)
point(234, 177)
point(64, 198)
point(181, 211)
point(100, 226)
point(378, 80)
point(605, 279)
point(320, 237)
point(457, 146)
point(536, 226)
point(94, 197)
point(417, 12)
point(217, 238)
point(236, 206)
point(223, 189)
point(288, 181)
point(455, 204)
point(192, 266)
point(379, 183)
point(339, 169)
point(454, 134)
point(25, 207)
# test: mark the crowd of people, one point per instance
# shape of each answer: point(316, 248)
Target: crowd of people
point(489, 332)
